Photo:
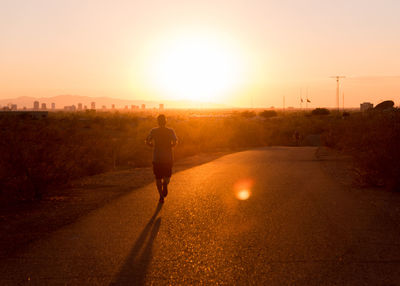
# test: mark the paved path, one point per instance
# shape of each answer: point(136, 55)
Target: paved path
point(298, 226)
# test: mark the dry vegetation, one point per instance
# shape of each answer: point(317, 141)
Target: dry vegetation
point(372, 138)
point(39, 154)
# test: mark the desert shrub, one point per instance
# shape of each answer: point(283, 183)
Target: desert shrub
point(268, 113)
point(37, 155)
point(345, 114)
point(384, 105)
point(372, 139)
point(247, 114)
point(320, 111)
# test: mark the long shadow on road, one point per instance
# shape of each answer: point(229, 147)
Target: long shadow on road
point(62, 207)
point(133, 272)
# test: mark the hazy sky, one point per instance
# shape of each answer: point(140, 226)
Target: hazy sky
point(278, 48)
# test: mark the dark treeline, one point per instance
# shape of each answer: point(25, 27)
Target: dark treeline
point(37, 155)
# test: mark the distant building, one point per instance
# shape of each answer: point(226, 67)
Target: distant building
point(366, 106)
point(161, 107)
point(143, 106)
point(53, 106)
point(70, 108)
point(112, 106)
point(13, 107)
point(79, 106)
point(126, 107)
point(104, 107)
point(44, 106)
point(36, 105)
point(93, 105)
point(84, 107)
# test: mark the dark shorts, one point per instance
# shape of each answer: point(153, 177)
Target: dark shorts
point(162, 170)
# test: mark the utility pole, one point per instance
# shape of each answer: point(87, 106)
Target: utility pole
point(301, 99)
point(337, 77)
point(307, 98)
point(343, 100)
point(283, 103)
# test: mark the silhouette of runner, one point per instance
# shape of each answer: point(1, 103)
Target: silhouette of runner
point(162, 139)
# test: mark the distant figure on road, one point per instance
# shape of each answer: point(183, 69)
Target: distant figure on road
point(296, 137)
point(162, 139)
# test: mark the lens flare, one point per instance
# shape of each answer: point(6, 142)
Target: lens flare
point(243, 195)
point(242, 189)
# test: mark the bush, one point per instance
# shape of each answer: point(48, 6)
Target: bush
point(385, 105)
point(320, 111)
point(372, 139)
point(248, 114)
point(38, 155)
point(268, 113)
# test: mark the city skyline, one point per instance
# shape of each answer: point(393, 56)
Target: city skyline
point(100, 102)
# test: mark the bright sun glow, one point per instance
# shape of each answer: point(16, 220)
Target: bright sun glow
point(199, 68)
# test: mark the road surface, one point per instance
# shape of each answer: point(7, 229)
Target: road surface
point(270, 216)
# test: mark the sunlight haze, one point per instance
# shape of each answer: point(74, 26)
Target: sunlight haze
point(239, 53)
point(194, 65)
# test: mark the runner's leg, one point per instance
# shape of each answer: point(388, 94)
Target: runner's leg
point(159, 187)
point(165, 185)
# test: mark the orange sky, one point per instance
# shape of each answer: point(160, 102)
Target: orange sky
point(274, 48)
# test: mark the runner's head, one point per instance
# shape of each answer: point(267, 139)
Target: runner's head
point(161, 120)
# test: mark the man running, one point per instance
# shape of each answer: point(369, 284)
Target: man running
point(162, 139)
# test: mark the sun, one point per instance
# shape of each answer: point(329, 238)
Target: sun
point(195, 67)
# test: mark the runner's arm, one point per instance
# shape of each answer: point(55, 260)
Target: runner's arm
point(174, 140)
point(149, 140)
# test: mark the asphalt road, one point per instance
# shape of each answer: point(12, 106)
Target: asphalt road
point(270, 216)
